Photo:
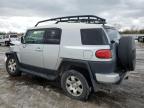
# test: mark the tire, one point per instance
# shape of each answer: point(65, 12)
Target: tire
point(71, 81)
point(127, 53)
point(12, 66)
point(7, 43)
point(138, 39)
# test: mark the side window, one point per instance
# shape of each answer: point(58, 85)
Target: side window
point(6, 36)
point(53, 36)
point(13, 36)
point(34, 36)
point(93, 36)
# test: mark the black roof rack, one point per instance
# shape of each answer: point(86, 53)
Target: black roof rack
point(91, 19)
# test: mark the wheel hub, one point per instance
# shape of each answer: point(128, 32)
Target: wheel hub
point(74, 86)
point(12, 65)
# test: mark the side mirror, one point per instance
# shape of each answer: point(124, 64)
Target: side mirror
point(112, 41)
point(22, 40)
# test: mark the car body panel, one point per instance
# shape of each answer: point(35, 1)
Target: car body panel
point(50, 56)
point(32, 54)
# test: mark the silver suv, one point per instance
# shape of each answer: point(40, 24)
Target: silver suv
point(81, 51)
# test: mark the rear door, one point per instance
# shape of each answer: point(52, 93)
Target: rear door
point(51, 47)
point(31, 52)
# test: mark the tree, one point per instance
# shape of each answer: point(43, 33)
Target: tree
point(2, 33)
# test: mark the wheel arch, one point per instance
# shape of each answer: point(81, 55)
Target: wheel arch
point(11, 53)
point(80, 66)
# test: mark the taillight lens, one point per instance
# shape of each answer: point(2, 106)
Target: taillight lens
point(104, 54)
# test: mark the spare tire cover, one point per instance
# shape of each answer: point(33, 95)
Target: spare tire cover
point(127, 53)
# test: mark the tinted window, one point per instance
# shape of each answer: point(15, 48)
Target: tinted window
point(34, 36)
point(93, 37)
point(6, 36)
point(52, 36)
point(13, 36)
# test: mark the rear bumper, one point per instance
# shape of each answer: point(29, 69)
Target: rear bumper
point(108, 78)
point(107, 72)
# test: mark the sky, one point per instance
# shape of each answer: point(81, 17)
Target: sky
point(18, 15)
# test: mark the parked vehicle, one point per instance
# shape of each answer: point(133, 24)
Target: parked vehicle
point(140, 38)
point(1, 38)
point(81, 51)
point(6, 39)
point(16, 42)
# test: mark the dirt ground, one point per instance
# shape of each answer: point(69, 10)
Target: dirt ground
point(31, 92)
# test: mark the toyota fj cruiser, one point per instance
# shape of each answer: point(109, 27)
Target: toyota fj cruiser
point(82, 51)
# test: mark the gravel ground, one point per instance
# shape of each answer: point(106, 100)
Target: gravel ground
point(31, 92)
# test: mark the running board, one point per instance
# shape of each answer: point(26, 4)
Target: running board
point(46, 76)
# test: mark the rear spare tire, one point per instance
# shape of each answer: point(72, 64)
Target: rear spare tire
point(127, 53)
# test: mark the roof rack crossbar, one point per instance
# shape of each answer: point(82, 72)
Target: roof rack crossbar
point(92, 19)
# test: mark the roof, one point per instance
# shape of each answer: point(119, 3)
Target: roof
point(70, 26)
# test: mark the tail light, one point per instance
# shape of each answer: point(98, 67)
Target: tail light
point(104, 54)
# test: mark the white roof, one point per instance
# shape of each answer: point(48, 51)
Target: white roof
point(70, 26)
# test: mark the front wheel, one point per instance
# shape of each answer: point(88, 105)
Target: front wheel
point(75, 85)
point(12, 66)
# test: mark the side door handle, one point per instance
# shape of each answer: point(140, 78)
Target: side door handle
point(38, 49)
point(24, 45)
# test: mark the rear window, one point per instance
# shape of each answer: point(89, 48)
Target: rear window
point(113, 34)
point(94, 36)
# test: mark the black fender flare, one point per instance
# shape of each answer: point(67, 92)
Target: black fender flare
point(11, 53)
point(82, 64)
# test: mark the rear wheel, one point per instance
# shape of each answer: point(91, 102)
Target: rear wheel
point(12, 66)
point(75, 85)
